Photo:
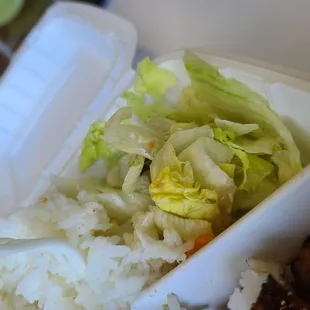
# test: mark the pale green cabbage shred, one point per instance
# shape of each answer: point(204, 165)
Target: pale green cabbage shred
point(218, 151)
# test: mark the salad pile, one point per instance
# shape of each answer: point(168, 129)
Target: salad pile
point(197, 162)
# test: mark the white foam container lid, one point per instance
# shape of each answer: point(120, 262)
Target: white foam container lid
point(69, 72)
point(64, 75)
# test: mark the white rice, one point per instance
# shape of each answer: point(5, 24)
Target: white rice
point(120, 263)
point(251, 283)
point(173, 303)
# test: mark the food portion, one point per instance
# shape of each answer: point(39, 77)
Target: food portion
point(122, 253)
point(173, 303)
point(181, 164)
point(211, 150)
point(269, 286)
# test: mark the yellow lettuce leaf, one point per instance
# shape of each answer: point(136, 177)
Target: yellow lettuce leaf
point(174, 190)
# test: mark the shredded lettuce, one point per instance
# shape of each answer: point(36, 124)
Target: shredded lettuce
point(204, 155)
point(215, 96)
point(246, 200)
point(122, 206)
point(236, 128)
point(175, 190)
point(255, 169)
point(126, 175)
point(229, 169)
point(261, 146)
point(166, 157)
point(135, 168)
point(183, 138)
point(282, 161)
point(146, 110)
point(132, 139)
point(191, 109)
point(95, 147)
point(182, 126)
point(220, 150)
point(151, 85)
point(161, 125)
point(188, 229)
point(223, 135)
point(116, 174)
point(153, 80)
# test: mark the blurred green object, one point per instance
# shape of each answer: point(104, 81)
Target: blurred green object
point(9, 9)
point(29, 15)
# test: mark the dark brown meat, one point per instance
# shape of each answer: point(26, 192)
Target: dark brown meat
point(274, 296)
point(300, 268)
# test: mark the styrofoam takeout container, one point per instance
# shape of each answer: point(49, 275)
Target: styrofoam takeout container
point(68, 73)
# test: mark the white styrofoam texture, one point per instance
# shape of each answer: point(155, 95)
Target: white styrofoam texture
point(58, 83)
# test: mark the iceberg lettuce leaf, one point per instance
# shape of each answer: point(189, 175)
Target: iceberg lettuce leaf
point(237, 128)
point(176, 192)
point(255, 169)
point(132, 139)
point(153, 80)
point(95, 146)
point(188, 229)
point(229, 99)
point(166, 157)
point(174, 189)
point(245, 200)
point(146, 110)
point(161, 125)
point(183, 138)
point(261, 146)
point(282, 161)
point(122, 206)
point(229, 169)
point(192, 109)
point(223, 135)
point(182, 126)
point(136, 164)
point(205, 155)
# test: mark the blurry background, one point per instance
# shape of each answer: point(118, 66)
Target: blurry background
point(16, 19)
point(272, 31)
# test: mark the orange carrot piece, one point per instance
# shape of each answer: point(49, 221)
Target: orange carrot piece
point(151, 144)
point(200, 242)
